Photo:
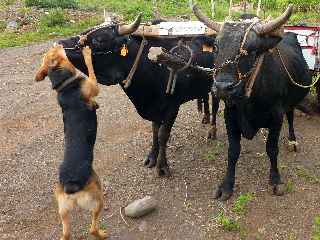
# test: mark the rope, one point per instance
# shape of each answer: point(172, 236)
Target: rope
point(254, 75)
point(291, 78)
point(128, 80)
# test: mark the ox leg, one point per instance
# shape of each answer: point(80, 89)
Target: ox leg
point(272, 149)
point(212, 134)
point(199, 105)
point(225, 189)
point(151, 159)
point(206, 111)
point(292, 137)
point(164, 134)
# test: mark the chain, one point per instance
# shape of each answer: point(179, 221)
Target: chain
point(236, 59)
point(291, 78)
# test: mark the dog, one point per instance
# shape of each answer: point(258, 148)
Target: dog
point(78, 182)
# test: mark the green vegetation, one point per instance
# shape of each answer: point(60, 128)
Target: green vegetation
point(52, 3)
point(306, 175)
point(45, 33)
point(216, 150)
point(56, 23)
point(4, 3)
point(241, 203)
point(289, 186)
point(55, 17)
point(228, 224)
point(3, 25)
point(316, 229)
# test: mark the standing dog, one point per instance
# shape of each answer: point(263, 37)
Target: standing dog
point(78, 182)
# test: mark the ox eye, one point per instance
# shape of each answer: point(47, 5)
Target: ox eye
point(215, 48)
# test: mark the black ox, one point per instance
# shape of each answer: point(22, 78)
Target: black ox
point(274, 93)
point(148, 86)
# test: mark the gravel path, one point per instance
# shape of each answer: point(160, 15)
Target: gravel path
point(31, 147)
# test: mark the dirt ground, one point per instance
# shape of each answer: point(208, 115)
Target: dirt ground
point(31, 148)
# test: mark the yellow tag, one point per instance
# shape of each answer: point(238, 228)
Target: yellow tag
point(206, 48)
point(124, 50)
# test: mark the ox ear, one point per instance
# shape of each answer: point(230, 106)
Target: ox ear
point(268, 42)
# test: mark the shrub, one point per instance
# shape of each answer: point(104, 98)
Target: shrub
point(52, 3)
point(228, 224)
point(3, 25)
point(56, 17)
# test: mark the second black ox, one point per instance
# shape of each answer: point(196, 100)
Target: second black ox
point(272, 61)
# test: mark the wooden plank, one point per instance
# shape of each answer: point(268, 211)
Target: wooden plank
point(157, 31)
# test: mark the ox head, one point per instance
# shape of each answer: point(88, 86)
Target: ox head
point(106, 41)
point(239, 44)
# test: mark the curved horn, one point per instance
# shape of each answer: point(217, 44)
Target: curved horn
point(128, 29)
point(203, 18)
point(276, 23)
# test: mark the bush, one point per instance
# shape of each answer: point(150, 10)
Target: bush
point(52, 3)
point(56, 17)
point(3, 25)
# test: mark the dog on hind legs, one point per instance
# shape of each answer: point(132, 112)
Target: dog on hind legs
point(78, 182)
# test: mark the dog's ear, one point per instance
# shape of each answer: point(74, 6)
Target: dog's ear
point(41, 73)
point(43, 70)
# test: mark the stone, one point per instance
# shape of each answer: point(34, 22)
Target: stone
point(140, 207)
point(12, 26)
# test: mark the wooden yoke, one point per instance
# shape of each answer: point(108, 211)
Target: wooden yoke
point(174, 30)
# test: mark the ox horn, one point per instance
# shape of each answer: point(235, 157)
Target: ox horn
point(128, 29)
point(276, 23)
point(203, 18)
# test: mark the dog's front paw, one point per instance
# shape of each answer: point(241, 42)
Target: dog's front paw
point(86, 51)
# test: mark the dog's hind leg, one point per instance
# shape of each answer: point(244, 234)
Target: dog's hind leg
point(94, 229)
point(96, 208)
point(65, 206)
point(65, 219)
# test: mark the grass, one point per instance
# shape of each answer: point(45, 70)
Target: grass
point(13, 39)
point(174, 8)
point(212, 154)
point(316, 229)
point(228, 224)
point(306, 175)
point(52, 3)
point(55, 17)
point(241, 203)
point(289, 186)
point(5, 3)
point(128, 9)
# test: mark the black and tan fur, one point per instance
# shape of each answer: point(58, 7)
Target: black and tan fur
point(78, 182)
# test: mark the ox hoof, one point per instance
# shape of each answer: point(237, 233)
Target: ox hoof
point(206, 119)
point(163, 171)
point(293, 146)
point(222, 194)
point(212, 134)
point(150, 161)
point(279, 189)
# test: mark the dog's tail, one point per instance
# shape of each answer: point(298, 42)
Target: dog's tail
point(71, 188)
